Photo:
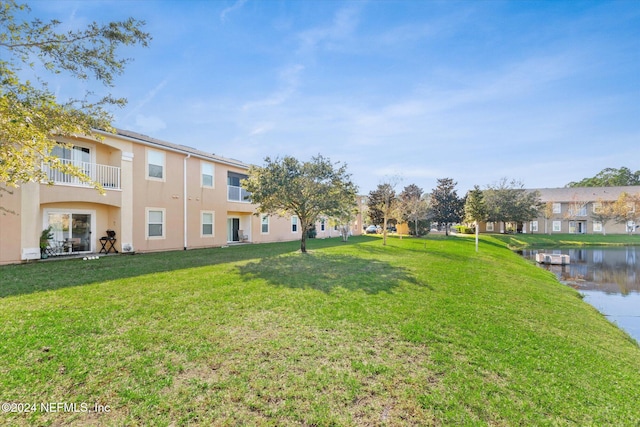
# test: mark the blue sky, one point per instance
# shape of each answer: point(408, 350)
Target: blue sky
point(545, 92)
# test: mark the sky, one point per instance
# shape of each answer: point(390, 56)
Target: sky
point(406, 92)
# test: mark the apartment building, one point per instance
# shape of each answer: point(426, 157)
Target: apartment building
point(573, 210)
point(158, 196)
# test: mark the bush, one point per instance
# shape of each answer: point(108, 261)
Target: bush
point(463, 229)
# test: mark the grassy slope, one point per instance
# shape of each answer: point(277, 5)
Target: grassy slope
point(418, 332)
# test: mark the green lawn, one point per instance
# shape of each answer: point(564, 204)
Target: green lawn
point(420, 332)
point(519, 241)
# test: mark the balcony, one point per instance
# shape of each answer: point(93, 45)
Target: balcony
point(108, 176)
point(238, 194)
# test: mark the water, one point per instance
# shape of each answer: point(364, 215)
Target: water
point(609, 279)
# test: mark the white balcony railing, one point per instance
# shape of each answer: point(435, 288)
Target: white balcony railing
point(238, 194)
point(108, 176)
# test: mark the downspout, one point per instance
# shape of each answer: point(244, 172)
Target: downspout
point(184, 215)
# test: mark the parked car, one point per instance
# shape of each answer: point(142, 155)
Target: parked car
point(372, 229)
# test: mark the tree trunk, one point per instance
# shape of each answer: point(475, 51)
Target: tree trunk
point(416, 227)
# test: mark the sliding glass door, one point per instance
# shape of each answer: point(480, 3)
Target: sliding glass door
point(71, 230)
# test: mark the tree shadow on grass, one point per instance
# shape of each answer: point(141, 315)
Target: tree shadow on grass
point(325, 272)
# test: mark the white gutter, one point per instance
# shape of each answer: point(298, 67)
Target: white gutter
point(185, 200)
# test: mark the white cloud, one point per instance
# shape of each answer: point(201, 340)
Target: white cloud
point(226, 11)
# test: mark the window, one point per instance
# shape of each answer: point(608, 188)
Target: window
point(322, 224)
point(207, 174)
point(155, 165)
point(582, 210)
point(294, 224)
point(557, 225)
point(155, 223)
point(489, 226)
point(264, 224)
point(534, 226)
point(597, 207)
point(557, 208)
point(207, 224)
point(597, 226)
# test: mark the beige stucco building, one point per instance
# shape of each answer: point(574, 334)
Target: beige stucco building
point(158, 196)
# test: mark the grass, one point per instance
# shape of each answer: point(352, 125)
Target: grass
point(521, 241)
point(418, 332)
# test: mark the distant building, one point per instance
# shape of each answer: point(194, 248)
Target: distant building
point(571, 210)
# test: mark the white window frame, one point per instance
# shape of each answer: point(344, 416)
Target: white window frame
point(582, 210)
point(557, 208)
point(556, 226)
point(294, 224)
point(490, 226)
point(596, 207)
point(204, 166)
point(203, 223)
point(597, 226)
point(264, 221)
point(534, 226)
point(149, 153)
point(148, 223)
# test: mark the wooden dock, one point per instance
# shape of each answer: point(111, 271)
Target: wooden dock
point(553, 259)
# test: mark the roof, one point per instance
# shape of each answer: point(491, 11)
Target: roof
point(584, 194)
point(147, 140)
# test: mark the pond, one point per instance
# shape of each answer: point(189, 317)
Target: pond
point(608, 277)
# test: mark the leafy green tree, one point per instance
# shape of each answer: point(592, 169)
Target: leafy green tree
point(610, 177)
point(508, 201)
point(446, 207)
point(308, 190)
point(475, 209)
point(382, 203)
point(30, 115)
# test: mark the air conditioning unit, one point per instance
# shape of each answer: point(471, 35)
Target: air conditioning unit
point(127, 248)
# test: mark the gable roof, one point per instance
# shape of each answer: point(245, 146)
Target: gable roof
point(158, 143)
point(584, 194)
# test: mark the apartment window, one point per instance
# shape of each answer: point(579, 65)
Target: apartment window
point(155, 223)
point(597, 207)
point(322, 224)
point(207, 174)
point(557, 208)
point(264, 224)
point(207, 224)
point(597, 226)
point(557, 226)
point(155, 165)
point(294, 224)
point(489, 226)
point(534, 226)
point(582, 210)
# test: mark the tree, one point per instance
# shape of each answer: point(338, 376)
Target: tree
point(547, 213)
point(610, 177)
point(508, 201)
point(308, 190)
point(626, 210)
point(381, 203)
point(603, 212)
point(412, 206)
point(30, 115)
point(475, 209)
point(446, 207)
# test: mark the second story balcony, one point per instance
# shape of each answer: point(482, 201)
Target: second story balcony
point(108, 176)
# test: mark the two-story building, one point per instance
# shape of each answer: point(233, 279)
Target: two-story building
point(574, 210)
point(158, 196)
